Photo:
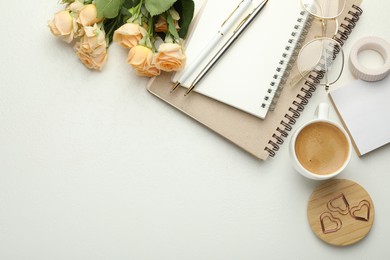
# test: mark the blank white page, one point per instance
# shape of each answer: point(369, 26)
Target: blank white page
point(364, 108)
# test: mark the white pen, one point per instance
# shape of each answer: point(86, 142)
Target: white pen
point(237, 32)
point(225, 27)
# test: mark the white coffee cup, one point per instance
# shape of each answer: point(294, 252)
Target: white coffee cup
point(320, 149)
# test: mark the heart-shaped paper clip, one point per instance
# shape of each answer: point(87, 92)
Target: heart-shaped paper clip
point(361, 211)
point(329, 223)
point(339, 204)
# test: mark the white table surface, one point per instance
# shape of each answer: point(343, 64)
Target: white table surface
point(94, 167)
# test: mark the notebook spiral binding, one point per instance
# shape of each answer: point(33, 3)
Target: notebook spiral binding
point(298, 105)
point(289, 56)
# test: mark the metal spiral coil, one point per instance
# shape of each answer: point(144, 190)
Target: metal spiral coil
point(312, 86)
point(291, 120)
point(295, 113)
point(287, 126)
point(304, 101)
point(282, 132)
point(270, 152)
point(279, 140)
point(275, 147)
point(299, 106)
point(308, 94)
point(294, 44)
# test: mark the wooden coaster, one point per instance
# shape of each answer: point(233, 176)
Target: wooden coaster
point(340, 212)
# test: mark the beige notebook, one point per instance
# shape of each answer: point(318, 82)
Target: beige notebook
point(259, 137)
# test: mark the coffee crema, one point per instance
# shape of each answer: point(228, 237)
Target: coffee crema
point(321, 148)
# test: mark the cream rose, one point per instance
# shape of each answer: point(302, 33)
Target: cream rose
point(129, 35)
point(92, 48)
point(63, 26)
point(170, 57)
point(141, 59)
point(88, 15)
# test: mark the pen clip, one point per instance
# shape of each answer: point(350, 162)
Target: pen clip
point(241, 23)
point(232, 12)
point(258, 8)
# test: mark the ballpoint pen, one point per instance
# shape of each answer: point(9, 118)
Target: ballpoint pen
point(225, 27)
point(237, 32)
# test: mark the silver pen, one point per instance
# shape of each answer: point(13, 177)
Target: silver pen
point(237, 32)
point(225, 27)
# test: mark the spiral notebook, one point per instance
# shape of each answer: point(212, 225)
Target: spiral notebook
point(259, 137)
point(261, 54)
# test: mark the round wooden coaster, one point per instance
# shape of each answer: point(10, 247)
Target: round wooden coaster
point(340, 212)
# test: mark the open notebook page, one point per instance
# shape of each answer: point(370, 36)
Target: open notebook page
point(243, 75)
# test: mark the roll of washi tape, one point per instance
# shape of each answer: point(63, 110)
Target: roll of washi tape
point(370, 43)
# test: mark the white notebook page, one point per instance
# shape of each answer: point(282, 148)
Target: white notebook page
point(243, 75)
point(364, 108)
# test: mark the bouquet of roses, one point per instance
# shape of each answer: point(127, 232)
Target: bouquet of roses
point(152, 30)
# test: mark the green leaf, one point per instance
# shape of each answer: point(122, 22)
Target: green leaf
point(156, 7)
point(124, 12)
point(110, 25)
point(186, 10)
point(108, 8)
point(130, 3)
point(172, 27)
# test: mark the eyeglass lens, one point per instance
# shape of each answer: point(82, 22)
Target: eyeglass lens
point(324, 58)
point(324, 9)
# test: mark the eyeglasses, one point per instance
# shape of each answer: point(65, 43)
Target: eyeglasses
point(325, 10)
point(322, 59)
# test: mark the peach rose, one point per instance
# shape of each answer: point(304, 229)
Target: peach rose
point(63, 26)
point(76, 6)
point(129, 35)
point(141, 59)
point(92, 48)
point(161, 24)
point(88, 15)
point(93, 62)
point(170, 57)
point(151, 71)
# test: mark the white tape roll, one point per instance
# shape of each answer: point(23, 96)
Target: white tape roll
point(370, 43)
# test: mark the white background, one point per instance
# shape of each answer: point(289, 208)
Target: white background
point(92, 166)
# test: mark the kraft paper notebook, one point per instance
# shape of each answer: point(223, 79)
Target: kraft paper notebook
point(361, 106)
point(259, 137)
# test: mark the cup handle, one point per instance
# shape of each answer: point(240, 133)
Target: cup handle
point(322, 111)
